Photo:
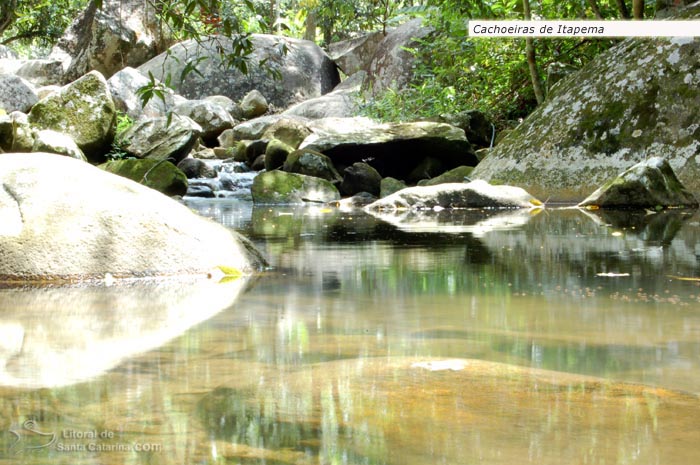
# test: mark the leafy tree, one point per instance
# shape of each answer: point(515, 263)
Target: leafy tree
point(36, 21)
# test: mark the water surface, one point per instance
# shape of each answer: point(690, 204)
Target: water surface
point(478, 337)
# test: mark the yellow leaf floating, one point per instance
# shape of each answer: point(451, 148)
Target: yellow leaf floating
point(230, 273)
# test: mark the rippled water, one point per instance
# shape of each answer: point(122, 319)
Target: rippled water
point(554, 338)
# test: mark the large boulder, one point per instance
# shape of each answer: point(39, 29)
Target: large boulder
point(194, 168)
point(649, 184)
point(361, 177)
point(476, 194)
point(161, 138)
point(160, 175)
point(393, 149)
point(40, 71)
point(84, 110)
point(211, 117)
point(257, 127)
point(16, 94)
point(638, 100)
point(120, 33)
point(304, 71)
point(67, 220)
point(279, 187)
point(311, 163)
point(124, 85)
point(342, 102)
point(392, 63)
point(355, 54)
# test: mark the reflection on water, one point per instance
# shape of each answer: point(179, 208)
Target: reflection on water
point(561, 337)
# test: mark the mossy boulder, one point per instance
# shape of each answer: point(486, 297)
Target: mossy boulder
point(276, 153)
point(279, 187)
point(390, 185)
point(160, 175)
point(311, 163)
point(361, 177)
point(637, 100)
point(292, 131)
point(649, 184)
point(459, 174)
point(161, 138)
point(84, 110)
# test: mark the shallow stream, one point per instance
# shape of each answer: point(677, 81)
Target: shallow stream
point(558, 337)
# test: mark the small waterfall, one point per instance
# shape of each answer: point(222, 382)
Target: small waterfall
point(233, 180)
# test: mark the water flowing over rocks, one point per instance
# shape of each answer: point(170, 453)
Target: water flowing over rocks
point(121, 228)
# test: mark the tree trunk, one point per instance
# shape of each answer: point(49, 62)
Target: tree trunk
point(532, 58)
point(624, 12)
point(7, 14)
point(310, 26)
point(638, 9)
point(596, 9)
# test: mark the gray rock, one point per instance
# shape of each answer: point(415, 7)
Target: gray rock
point(311, 163)
point(305, 70)
point(16, 94)
point(229, 105)
point(477, 127)
point(649, 184)
point(255, 149)
point(41, 72)
point(291, 131)
point(213, 118)
point(84, 110)
point(393, 149)
point(556, 72)
point(124, 85)
point(45, 91)
point(428, 168)
point(342, 102)
point(121, 228)
point(200, 191)
point(253, 104)
point(195, 168)
point(392, 64)
point(255, 128)
point(121, 33)
point(476, 194)
point(638, 100)
point(56, 142)
point(360, 177)
point(156, 139)
point(390, 185)
point(354, 55)
point(279, 187)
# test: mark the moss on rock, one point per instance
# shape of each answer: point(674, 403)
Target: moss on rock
point(162, 176)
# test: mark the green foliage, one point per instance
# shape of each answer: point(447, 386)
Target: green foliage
point(455, 73)
point(40, 23)
point(117, 151)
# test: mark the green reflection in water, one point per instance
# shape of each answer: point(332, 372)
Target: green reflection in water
point(395, 343)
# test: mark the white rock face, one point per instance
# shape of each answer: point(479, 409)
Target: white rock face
point(64, 219)
point(475, 194)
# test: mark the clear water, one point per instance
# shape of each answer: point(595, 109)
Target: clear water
point(553, 338)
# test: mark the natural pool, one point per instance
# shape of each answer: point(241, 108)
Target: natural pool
point(561, 337)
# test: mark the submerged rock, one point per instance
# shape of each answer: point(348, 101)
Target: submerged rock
point(279, 187)
point(476, 194)
point(649, 184)
point(121, 228)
